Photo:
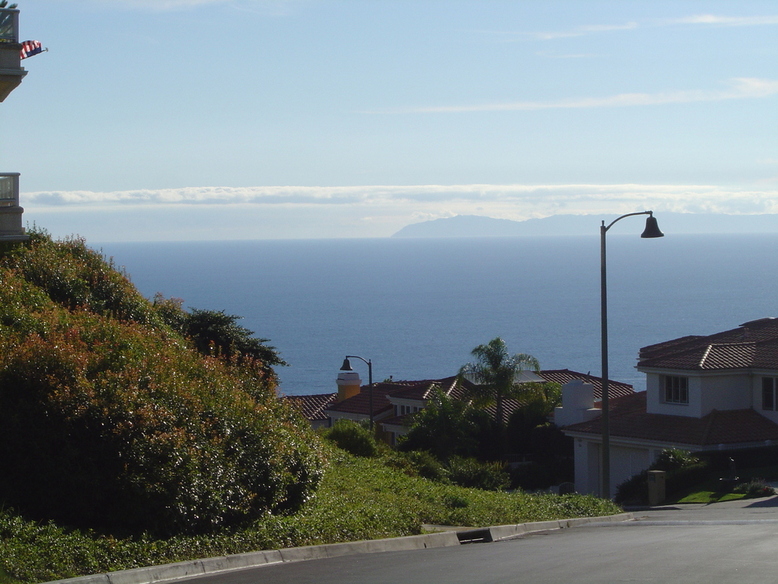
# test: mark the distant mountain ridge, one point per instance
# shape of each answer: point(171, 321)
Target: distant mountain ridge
point(480, 226)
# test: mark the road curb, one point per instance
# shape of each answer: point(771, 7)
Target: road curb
point(176, 571)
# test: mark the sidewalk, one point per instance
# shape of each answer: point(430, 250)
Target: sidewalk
point(764, 509)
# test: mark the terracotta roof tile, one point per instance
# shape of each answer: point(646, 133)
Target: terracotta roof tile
point(563, 376)
point(752, 345)
point(422, 390)
point(359, 404)
point(628, 419)
point(312, 406)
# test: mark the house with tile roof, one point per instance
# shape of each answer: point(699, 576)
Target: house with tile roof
point(313, 406)
point(714, 392)
point(395, 402)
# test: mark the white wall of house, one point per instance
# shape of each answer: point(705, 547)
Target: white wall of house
point(756, 394)
point(627, 460)
point(335, 416)
point(707, 392)
point(725, 392)
point(404, 406)
point(655, 402)
point(587, 466)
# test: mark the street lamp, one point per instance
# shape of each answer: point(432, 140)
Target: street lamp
point(347, 367)
point(651, 231)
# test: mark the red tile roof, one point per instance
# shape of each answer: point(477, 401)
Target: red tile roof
point(359, 404)
point(562, 376)
point(312, 406)
point(751, 345)
point(422, 390)
point(628, 419)
point(415, 390)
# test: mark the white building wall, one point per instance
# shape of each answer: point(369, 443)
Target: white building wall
point(756, 394)
point(627, 462)
point(707, 392)
point(726, 392)
point(587, 466)
point(655, 399)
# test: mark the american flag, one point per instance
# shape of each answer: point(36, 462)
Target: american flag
point(30, 48)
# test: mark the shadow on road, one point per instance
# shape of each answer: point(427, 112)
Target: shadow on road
point(770, 502)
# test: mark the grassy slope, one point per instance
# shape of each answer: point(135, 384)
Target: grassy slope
point(358, 499)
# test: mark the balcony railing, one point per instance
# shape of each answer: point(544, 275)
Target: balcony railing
point(9, 189)
point(9, 25)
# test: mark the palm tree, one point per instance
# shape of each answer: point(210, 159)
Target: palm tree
point(496, 374)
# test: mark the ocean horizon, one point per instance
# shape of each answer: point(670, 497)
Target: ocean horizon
point(417, 307)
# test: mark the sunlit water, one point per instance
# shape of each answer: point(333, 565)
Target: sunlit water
point(416, 307)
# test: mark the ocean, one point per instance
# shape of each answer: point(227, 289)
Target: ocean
point(417, 307)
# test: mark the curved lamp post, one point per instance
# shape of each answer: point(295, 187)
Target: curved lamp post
point(347, 367)
point(651, 231)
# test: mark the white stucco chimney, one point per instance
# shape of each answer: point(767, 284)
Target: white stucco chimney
point(577, 404)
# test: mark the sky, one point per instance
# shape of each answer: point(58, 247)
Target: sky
point(154, 120)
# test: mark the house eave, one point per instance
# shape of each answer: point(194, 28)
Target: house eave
point(659, 444)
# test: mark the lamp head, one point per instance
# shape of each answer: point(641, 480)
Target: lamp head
point(346, 365)
point(652, 228)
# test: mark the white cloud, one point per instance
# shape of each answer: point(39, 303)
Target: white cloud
point(725, 20)
point(739, 88)
point(359, 211)
point(549, 55)
point(162, 5)
point(374, 202)
point(267, 6)
point(583, 30)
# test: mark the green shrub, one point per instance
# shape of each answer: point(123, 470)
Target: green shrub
point(353, 438)
point(75, 276)
point(109, 420)
point(468, 472)
point(755, 488)
point(674, 459)
point(418, 463)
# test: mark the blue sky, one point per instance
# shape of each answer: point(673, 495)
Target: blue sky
point(254, 119)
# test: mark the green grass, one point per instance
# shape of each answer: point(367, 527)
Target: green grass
point(709, 491)
point(707, 497)
point(358, 499)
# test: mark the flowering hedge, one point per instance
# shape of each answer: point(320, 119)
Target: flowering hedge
point(109, 419)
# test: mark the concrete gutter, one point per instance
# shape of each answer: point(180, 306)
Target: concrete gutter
point(179, 570)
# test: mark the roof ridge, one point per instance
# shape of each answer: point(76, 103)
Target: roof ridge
point(709, 425)
point(705, 356)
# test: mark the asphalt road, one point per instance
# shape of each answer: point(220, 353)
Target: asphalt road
point(726, 542)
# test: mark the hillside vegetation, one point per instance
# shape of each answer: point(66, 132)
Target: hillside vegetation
point(359, 498)
point(111, 419)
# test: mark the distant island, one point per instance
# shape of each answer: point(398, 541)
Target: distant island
point(479, 226)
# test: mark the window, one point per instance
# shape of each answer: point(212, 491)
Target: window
point(676, 389)
point(768, 393)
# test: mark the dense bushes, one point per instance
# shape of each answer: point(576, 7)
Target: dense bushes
point(110, 420)
point(353, 438)
point(468, 472)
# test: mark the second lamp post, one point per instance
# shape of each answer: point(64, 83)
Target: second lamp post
point(347, 367)
point(651, 231)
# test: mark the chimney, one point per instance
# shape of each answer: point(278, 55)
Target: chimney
point(577, 404)
point(349, 384)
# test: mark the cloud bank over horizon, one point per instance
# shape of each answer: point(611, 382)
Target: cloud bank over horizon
point(513, 201)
